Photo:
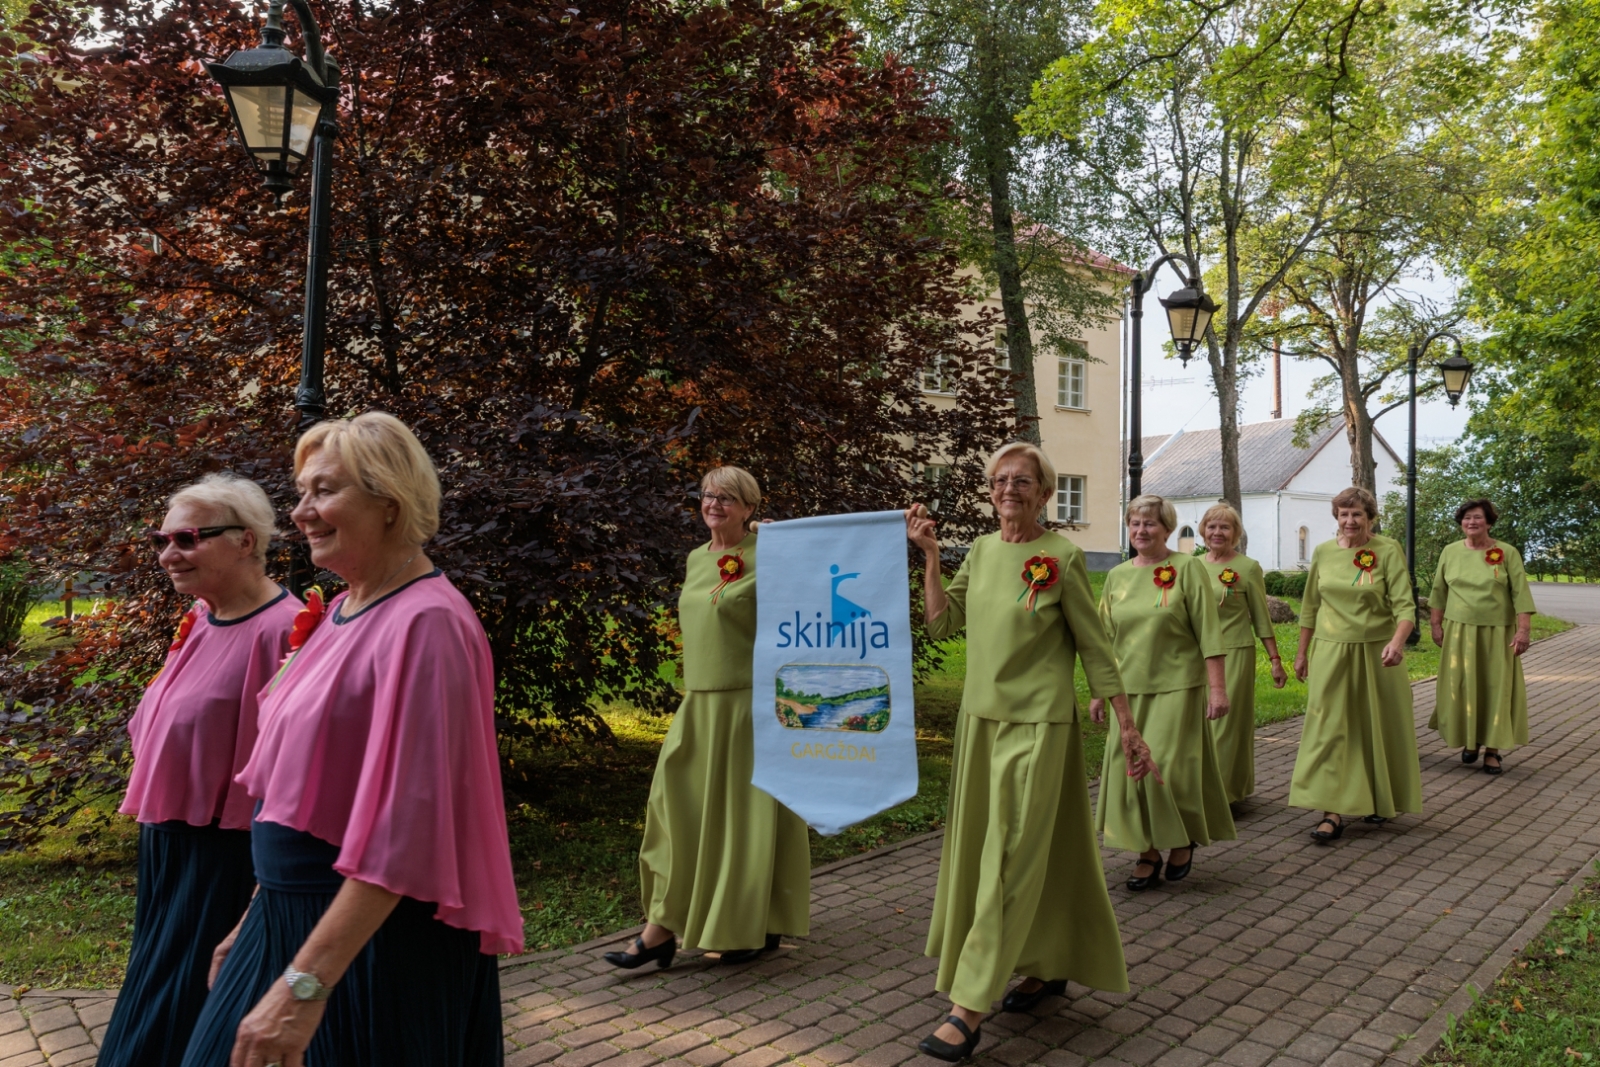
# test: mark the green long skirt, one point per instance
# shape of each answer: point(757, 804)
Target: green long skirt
point(1192, 805)
point(1481, 700)
point(1235, 732)
point(722, 864)
point(1358, 744)
point(1021, 890)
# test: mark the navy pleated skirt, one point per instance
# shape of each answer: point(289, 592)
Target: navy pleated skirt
point(194, 883)
point(419, 995)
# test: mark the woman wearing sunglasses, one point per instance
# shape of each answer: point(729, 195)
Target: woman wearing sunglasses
point(380, 840)
point(192, 732)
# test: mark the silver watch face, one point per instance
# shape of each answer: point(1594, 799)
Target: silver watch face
point(304, 986)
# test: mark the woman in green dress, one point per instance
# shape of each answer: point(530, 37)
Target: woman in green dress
point(1358, 744)
point(1241, 592)
point(1019, 802)
point(1479, 586)
point(1167, 636)
point(723, 865)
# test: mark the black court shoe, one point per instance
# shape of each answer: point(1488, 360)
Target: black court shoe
point(1016, 1000)
point(1469, 755)
point(943, 1050)
point(1177, 872)
point(1375, 820)
point(662, 954)
point(1322, 837)
point(745, 955)
point(1138, 884)
point(1493, 768)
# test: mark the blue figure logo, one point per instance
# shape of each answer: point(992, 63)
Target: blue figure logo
point(844, 611)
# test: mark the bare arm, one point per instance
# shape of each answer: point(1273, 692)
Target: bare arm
point(1394, 653)
point(1524, 635)
point(1436, 624)
point(1280, 677)
point(920, 531)
point(1301, 664)
point(1217, 682)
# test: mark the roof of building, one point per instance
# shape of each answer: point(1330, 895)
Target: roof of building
point(1189, 463)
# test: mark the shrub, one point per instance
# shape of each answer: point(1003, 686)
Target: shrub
point(16, 597)
point(1286, 583)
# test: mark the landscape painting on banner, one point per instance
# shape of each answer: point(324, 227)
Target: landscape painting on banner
point(834, 719)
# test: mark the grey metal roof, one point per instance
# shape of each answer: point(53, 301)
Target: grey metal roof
point(1268, 459)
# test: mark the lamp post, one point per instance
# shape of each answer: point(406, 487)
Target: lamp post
point(1456, 372)
point(283, 109)
point(1189, 313)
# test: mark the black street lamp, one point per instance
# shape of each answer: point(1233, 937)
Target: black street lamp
point(1189, 313)
point(283, 108)
point(1456, 372)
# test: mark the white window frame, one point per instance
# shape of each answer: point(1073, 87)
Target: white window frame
point(936, 379)
point(1068, 510)
point(1070, 372)
point(1303, 544)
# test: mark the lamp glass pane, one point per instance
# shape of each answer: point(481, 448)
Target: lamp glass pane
point(1455, 379)
point(1182, 322)
point(260, 109)
point(1202, 319)
point(302, 124)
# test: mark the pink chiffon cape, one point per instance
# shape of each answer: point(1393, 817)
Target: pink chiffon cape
point(378, 737)
point(196, 724)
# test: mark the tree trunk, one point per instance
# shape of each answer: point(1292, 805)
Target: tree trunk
point(1228, 405)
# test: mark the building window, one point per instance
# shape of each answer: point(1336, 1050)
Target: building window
point(1069, 383)
point(1186, 539)
point(1069, 498)
point(933, 476)
point(938, 378)
point(1002, 350)
point(1305, 544)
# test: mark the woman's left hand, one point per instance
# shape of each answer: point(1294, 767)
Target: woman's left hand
point(1394, 653)
point(1280, 677)
point(277, 1030)
point(1217, 704)
point(1520, 643)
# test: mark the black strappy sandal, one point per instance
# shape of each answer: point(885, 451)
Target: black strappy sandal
point(1016, 1000)
point(1375, 820)
point(1139, 883)
point(662, 955)
point(943, 1050)
point(1499, 764)
point(1321, 836)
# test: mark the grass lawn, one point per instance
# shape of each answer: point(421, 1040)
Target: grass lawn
point(575, 815)
point(1545, 1010)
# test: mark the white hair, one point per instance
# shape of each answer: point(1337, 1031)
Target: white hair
point(236, 501)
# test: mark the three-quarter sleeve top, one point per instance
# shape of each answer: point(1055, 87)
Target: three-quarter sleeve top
point(196, 724)
point(1020, 653)
point(717, 614)
point(1480, 587)
point(378, 737)
point(1162, 637)
point(1349, 604)
point(1241, 600)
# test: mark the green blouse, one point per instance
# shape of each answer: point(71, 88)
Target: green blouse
point(1019, 662)
point(1242, 605)
point(719, 637)
point(1348, 605)
point(1162, 636)
point(1472, 590)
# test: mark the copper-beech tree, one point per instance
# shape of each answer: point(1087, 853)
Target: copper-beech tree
point(586, 251)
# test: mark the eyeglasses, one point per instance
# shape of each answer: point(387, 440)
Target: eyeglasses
point(719, 499)
point(1023, 483)
point(187, 538)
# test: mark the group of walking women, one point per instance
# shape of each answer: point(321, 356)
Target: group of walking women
point(324, 875)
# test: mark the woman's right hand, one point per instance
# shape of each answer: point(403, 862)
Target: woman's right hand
point(1438, 635)
point(1097, 709)
point(920, 529)
point(1301, 667)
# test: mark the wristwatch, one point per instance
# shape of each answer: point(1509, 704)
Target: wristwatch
point(303, 985)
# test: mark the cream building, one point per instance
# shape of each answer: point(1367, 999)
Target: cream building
point(1080, 402)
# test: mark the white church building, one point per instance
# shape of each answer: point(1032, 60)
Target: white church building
point(1287, 492)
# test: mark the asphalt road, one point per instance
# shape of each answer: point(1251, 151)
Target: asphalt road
point(1573, 602)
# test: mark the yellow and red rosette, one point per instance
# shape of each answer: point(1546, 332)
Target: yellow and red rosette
point(1165, 577)
point(185, 625)
point(305, 623)
point(1494, 557)
point(1365, 560)
point(730, 569)
point(1038, 574)
point(1229, 578)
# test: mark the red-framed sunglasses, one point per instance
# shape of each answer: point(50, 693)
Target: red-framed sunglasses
point(187, 538)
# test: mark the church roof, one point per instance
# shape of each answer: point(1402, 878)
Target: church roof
point(1189, 463)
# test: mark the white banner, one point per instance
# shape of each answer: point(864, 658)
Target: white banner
point(835, 729)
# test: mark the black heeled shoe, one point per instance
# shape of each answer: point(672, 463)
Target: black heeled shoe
point(1375, 820)
point(1499, 764)
point(1016, 1000)
point(1469, 755)
point(662, 954)
point(1322, 837)
point(745, 955)
point(943, 1050)
point(1139, 884)
point(1176, 872)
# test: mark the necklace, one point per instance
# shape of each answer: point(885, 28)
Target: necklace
point(385, 585)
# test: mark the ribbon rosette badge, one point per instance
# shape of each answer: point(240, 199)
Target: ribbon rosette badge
point(1038, 574)
point(1365, 560)
point(185, 625)
point(1165, 577)
point(1229, 578)
point(305, 623)
point(730, 568)
point(1494, 557)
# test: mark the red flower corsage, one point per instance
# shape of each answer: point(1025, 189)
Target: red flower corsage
point(305, 623)
point(730, 568)
point(1038, 574)
point(1365, 560)
point(1494, 557)
point(1165, 577)
point(185, 624)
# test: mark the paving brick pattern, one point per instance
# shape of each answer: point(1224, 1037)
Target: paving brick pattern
point(1276, 952)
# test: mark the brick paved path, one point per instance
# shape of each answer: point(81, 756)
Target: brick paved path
point(1275, 952)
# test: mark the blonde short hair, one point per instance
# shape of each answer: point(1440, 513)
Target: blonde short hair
point(1223, 510)
point(1166, 514)
point(236, 501)
point(1356, 497)
point(386, 459)
point(1047, 470)
point(736, 481)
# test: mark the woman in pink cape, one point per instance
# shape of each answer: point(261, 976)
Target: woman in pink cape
point(192, 733)
point(380, 836)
